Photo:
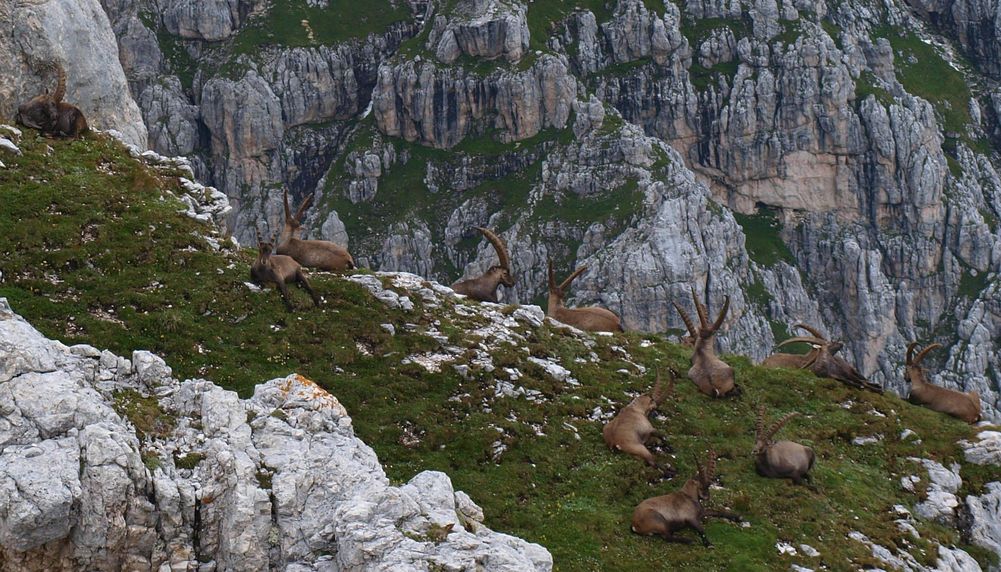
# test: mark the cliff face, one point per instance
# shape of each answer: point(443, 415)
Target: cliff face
point(855, 145)
point(34, 36)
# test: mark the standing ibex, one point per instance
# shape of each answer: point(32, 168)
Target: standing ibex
point(278, 269)
point(484, 287)
point(965, 406)
point(667, 514)
point(590, 319)
point(822, 360)
point(630, 429)
point(782, 459)
point(50, 114)
point(711, 374)
point(319, 254)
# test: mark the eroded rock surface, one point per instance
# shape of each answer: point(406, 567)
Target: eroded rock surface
point(275, 481)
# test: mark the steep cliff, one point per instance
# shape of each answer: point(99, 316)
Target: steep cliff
point(821, 162)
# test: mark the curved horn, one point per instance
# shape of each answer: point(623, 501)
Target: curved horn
point(552, 276)
point(566, 283)
point(671, 377)
point(759, 425)
point(656, 388)
point(778, 425)
point(60, 83)
point(703, 318)
point(811, 329)
point(502, 254)
point(804, 339)
point(910, 353)
point(722, 315)
point(302, 208)
point(711, 466)
point(921, 355)
point(698, 467)
point(257, 229)
point(685, 318)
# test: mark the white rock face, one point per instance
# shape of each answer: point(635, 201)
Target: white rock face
point(279, 481)
point(78, 35)
point(985, 518)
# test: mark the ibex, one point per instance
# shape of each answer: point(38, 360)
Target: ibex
point(319, 254)
point(822, 360)
point(665, 515)
point(711, 375)
point(965, 406)
point(630, 429)
point(484, 287)
point(50, 114)
point(781, 459)
point(278, 269)
point(590, 319)
point(793, 361)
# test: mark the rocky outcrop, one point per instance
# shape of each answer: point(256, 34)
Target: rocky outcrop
point(438, 107)
point(486, 29)
point(211, 20)
point(275, 481)
point(77, 35)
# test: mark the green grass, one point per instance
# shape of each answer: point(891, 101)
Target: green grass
point(702, 77)
point(181, 62)
point(764, 242)
point(930, 77)
point(696, 31)
point(544, 14)
point(100, 256)
point(867, 85)
point(342, 20)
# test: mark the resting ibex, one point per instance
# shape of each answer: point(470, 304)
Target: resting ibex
point(823, 362)
point(630, 429)
point(484, 287)
point(711, 375)
point(793, 361)
point(965, 406)
point(50, 114)
point(590, 319)
point(319, 254)
point(278, 269)
point(668, 514)
point(781, 459)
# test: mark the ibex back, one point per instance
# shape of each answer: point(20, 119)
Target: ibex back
point(589, 319)
point(319, 254)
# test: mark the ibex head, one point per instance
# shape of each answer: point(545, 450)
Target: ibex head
point(265, 247)
point(703, 478)
point(763, 438)
point(502, 270)
point(560, 290)
point(913, 371)
point(294, 222)
point(650, 401)
point(705, 330)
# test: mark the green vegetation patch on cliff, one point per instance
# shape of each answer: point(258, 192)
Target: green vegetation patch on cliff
point(294, 23)
point(764, 239)
point(95, 252)
point(923, 72)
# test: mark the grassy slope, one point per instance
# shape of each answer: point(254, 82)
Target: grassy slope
point(91, 253)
